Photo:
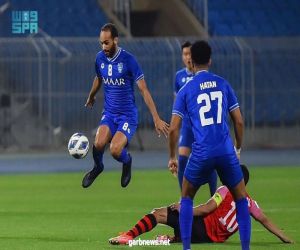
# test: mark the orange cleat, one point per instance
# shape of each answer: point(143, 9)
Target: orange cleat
point(122, 239)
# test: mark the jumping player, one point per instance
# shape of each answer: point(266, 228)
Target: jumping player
point(119, 71)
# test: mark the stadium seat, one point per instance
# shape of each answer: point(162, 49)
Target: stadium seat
point(222, 29)
point(239, 29)
point(259, 17)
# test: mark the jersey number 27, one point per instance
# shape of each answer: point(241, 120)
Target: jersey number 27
point(208, 98)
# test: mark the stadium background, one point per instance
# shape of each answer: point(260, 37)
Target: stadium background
point(45, 77)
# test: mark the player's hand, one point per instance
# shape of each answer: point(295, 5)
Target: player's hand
point(173, 166)
point(287, 240)
point(175, 206)
point(161, 127)
point(90, 102)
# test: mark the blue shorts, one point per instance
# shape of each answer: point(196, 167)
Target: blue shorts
point(186, 137)
point(198, 170)
point(124, 124)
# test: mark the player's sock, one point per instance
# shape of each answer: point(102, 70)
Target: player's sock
point(213, 183)
point(244, 221)
point(98, 157)
point(182, 161)
point(146, 224)
point(186, 221)
point(124, 156)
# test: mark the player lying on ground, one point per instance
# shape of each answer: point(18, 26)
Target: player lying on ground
point(214, 221)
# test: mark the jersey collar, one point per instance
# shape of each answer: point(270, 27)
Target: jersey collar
point(188, 72)
point(198, 72)
point(116, 55)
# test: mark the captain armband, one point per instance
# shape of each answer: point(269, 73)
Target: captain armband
point(217, 198)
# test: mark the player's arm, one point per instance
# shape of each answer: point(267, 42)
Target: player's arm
point(205, 209)
point(173, 139)
point(238, 125)
point(160, 125)
point(96, 86)
point(271, 227)
point(179, 109)
point(212, 204)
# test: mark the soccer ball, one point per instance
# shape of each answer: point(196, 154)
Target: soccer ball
point(78, 145)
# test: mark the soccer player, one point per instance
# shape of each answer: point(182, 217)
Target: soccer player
point(119, 71)
point(207, 99)
point(214, 221)
point(186, 137)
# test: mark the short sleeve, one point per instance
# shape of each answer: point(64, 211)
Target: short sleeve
point(179, 107)
point(135, 69)
point(232, 99)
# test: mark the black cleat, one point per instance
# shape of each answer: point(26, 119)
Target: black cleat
point(90, 176)
point(126, 173)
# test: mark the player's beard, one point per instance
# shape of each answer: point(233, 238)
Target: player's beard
point(112, 51)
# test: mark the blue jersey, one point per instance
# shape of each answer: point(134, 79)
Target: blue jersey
point(207, 99)
point(118, 75)
point(181, 78)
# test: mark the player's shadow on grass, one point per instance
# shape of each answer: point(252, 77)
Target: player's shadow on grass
point(44, 238)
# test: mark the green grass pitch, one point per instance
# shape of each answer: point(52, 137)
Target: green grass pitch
point(52, 211)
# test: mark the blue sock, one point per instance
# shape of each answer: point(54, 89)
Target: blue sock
point(182, 161)
point(98, 157)
point(124, 156)
point(213, 183)
point(186, 221)
point(244, 221)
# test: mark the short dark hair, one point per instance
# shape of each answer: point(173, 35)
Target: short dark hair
point(112, 28)
point(200, 52)
point(186, 44)
point(245, 173)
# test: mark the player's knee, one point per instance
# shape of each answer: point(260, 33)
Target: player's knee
point(115, 150)
point(159, 214)
point(154, 211)
point(99, 145)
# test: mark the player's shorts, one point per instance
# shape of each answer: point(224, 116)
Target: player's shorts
point(124, 124)
point(199, 234)
point(186, 137)
point(198, 170)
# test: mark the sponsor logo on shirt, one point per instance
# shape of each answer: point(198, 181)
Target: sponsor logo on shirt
point(110, 81)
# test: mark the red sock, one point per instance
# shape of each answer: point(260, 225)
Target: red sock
point(146, 224)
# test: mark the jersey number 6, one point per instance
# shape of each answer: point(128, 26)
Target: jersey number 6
point(207, 98)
